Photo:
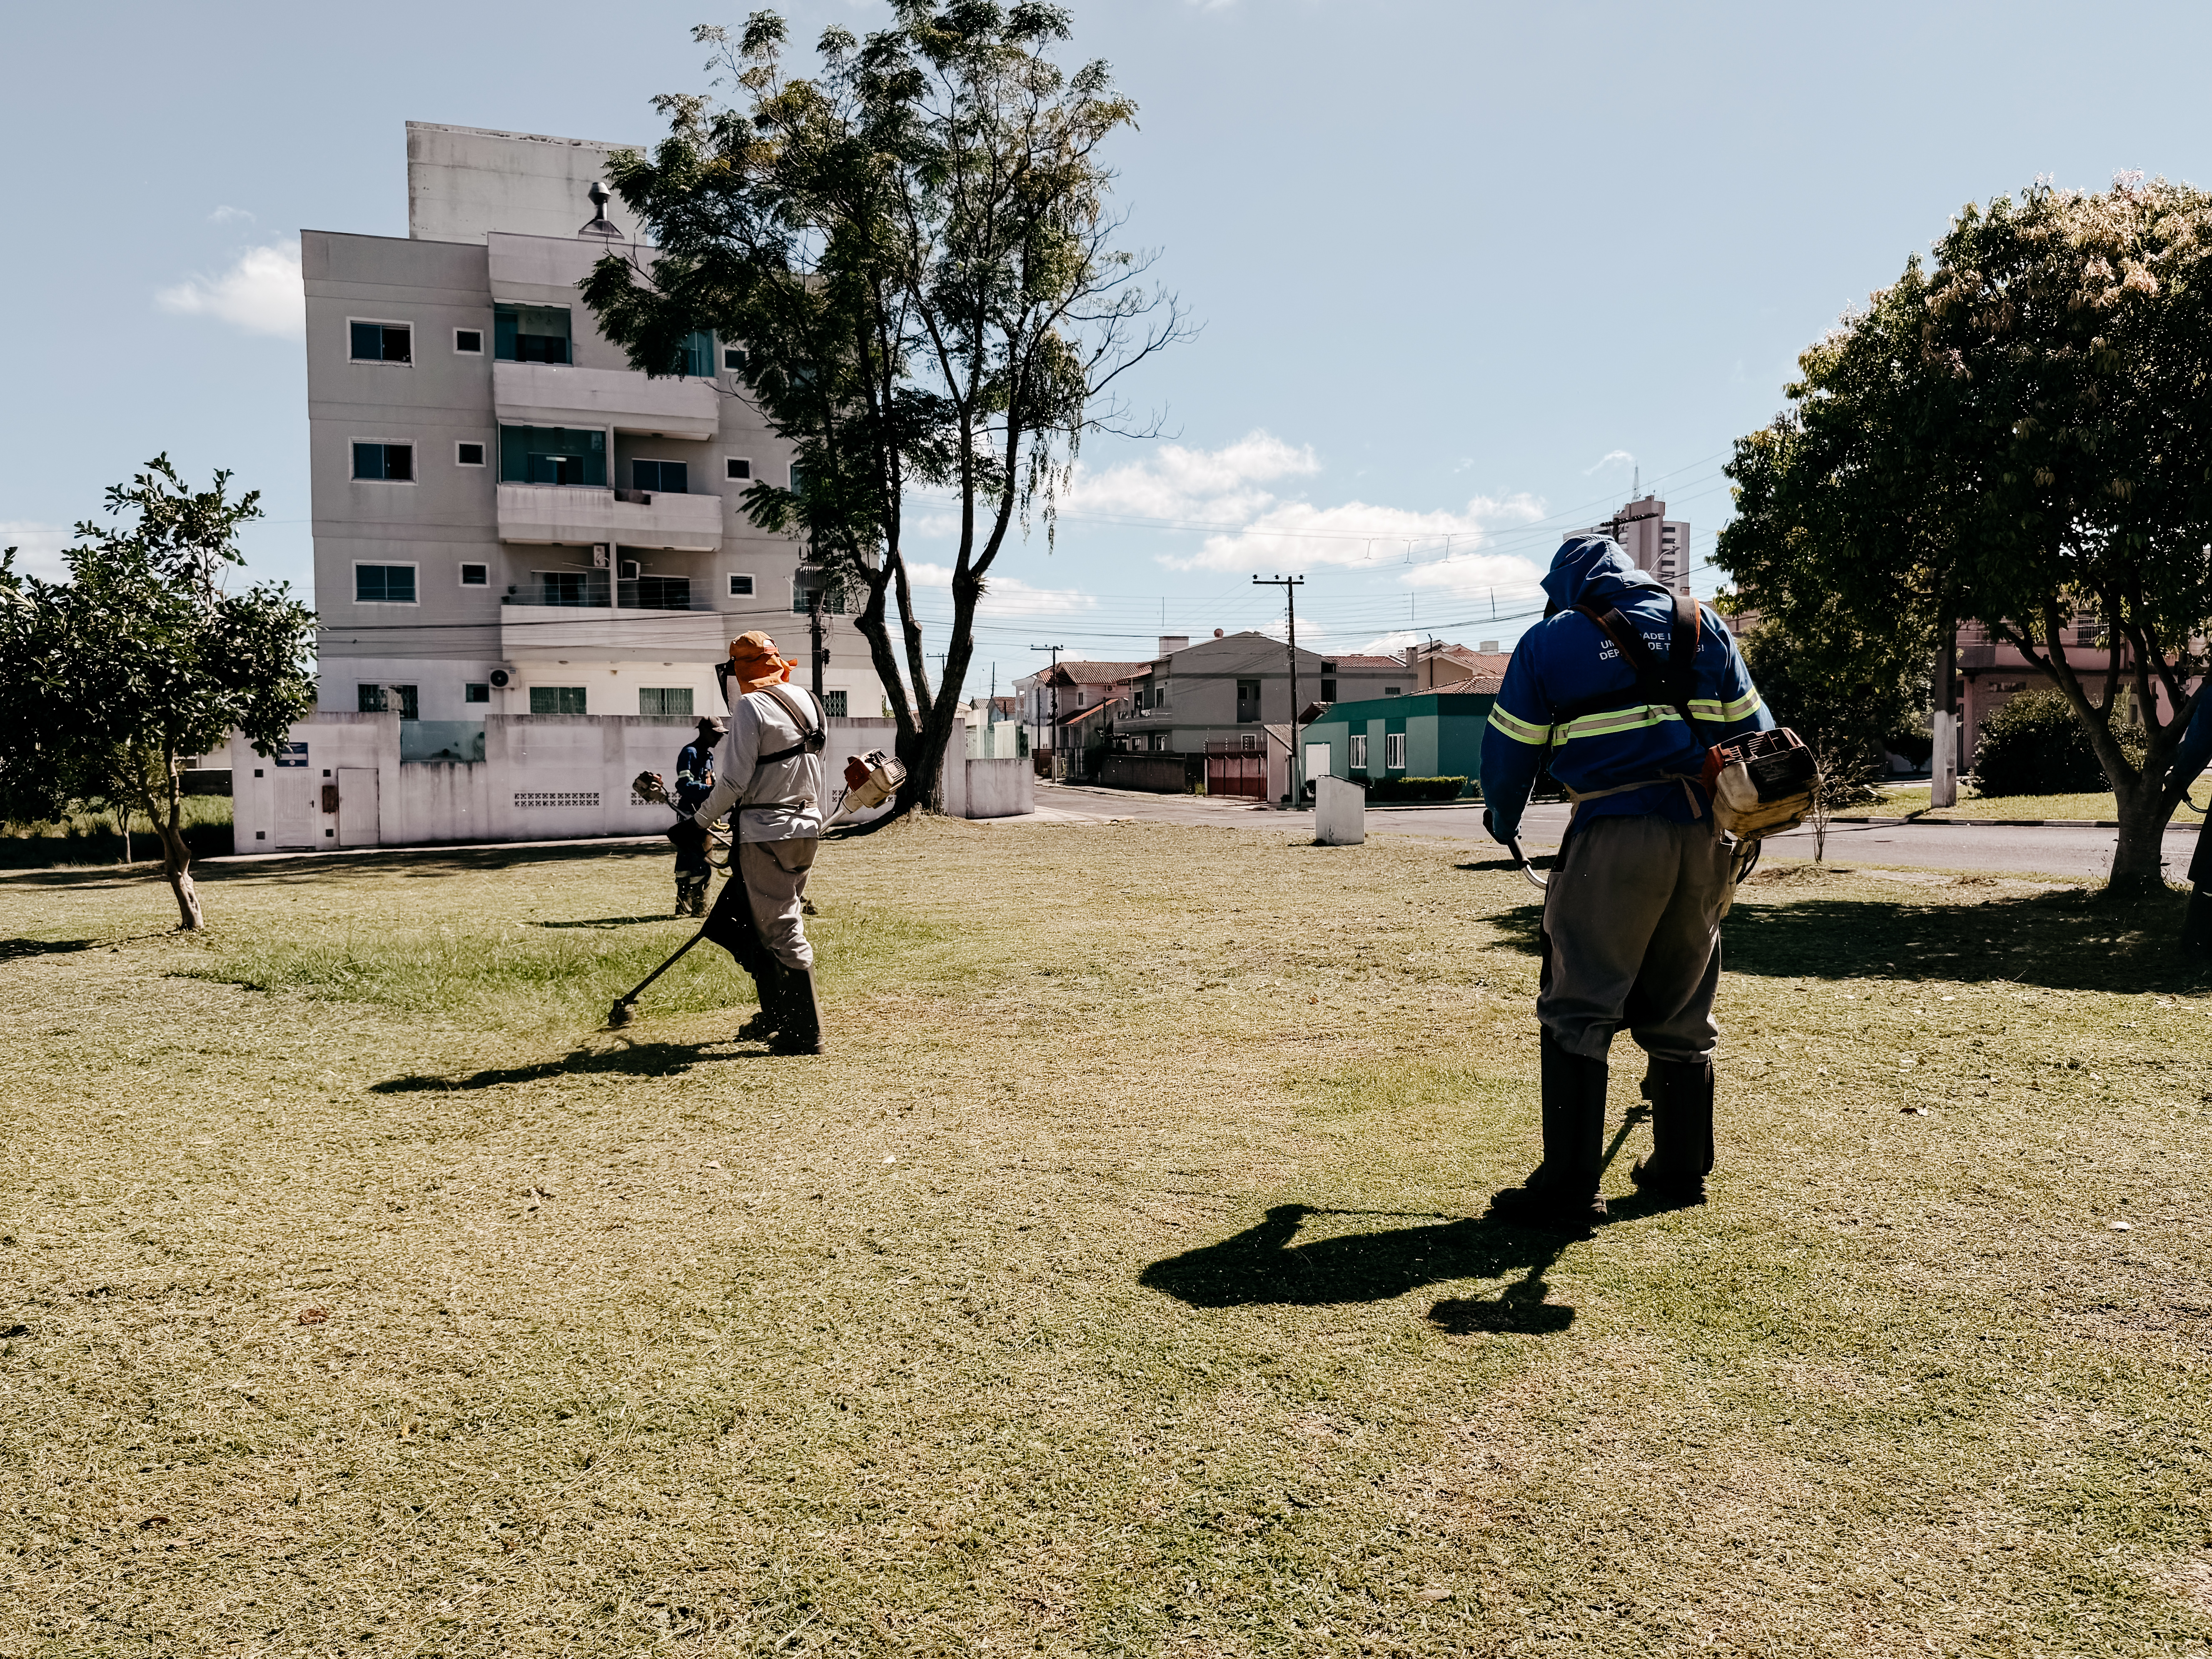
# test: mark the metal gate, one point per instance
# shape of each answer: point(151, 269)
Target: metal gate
point(1234, 770)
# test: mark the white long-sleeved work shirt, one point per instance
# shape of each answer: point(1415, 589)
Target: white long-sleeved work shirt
point(781, 801)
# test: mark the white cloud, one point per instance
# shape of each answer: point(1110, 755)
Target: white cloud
point(1611, 458)
point(262, 293)
point(1008, 596)
point(1362, 535)
point(1180, 483)
point(229, 215)
point(39, 547)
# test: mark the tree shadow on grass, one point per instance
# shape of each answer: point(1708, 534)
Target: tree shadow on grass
point(630, 1059)
point(19, 950)
point(2069, 940)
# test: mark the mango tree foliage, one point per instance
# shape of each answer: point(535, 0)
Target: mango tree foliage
point(141, 660)
point(914, 249)
point(2020, 434)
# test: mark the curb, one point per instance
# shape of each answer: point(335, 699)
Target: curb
point(2014, 824)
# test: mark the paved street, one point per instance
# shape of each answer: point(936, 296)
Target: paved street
point(2063, 851)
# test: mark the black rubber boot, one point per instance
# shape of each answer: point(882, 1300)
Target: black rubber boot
point(1681, 1097)
point(1562, 1194)
point(802, 1009)
point(770, 982)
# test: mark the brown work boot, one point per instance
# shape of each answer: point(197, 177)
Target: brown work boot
point(1561, 1195)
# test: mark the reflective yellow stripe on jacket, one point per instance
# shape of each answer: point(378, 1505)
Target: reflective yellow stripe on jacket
point(1616, 720)
point(1707, 708)
point(1519, 730)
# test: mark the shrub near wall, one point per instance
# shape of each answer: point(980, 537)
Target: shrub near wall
point(1416, 788)
point(2034, 746)
point(93, 837)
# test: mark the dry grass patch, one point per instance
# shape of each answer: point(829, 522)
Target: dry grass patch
point(1116, 1285)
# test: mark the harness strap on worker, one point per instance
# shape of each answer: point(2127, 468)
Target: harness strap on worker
point(813, 735)
point(1672, 684)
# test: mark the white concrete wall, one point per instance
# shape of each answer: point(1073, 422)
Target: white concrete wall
point(1000, 788)
point(548, 777)
point(464, 181)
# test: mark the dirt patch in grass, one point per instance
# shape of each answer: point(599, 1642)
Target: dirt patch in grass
point(1117, 1284)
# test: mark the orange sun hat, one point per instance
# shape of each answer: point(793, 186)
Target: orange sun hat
point(754, 661)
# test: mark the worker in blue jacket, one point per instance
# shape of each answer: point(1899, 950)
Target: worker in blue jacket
point(2189, 759)
point(1631, 912)
point(694, 781)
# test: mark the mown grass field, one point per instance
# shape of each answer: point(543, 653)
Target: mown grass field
point(1116, 1287)
point(1912, 800)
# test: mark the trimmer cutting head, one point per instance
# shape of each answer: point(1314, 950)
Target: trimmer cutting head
point(618, 1016)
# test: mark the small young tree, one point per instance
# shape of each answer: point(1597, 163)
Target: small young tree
point(1843, 693)
point(141, 660)
point(915, 250)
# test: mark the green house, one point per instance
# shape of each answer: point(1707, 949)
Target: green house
point(1433, 734)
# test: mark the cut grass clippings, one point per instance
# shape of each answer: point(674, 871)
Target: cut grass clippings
point(1115, 1284)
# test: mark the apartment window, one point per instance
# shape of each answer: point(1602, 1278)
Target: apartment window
point(476, 575)
point(389, 463)
point(1251, 741)
point(1358, 761)
point(529, 334)
point(469, 342)
point(665, 699)
point(1328, 690)
point(797, 487)
point(696, 355)
point(833, 704)
point(1389, 690)
point(572, 588)
point(556, 699)
point(476, 691)
point(382, 343)
point(553, 455)
point(734, 357)
point(381, 699)
point(384, 584)
point(741, 587)
point(668, 477)
point(656, 594)
point(1247, 701)
point(833, 601)
point(468, 455)
point(737, 467)
point(1393, 751)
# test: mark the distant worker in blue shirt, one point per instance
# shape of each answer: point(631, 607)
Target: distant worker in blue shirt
point(694, 781)
point(1631, 912)
point(2189, 759)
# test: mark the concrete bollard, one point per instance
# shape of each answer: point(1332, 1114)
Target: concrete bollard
point(1340, 812)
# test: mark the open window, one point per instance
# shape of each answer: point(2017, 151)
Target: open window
point(386, 463)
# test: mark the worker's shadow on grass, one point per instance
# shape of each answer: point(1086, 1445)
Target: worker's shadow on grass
point(19, 950)
point(1265, 1265)
point(630, 1059)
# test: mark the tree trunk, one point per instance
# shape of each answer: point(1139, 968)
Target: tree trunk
point(2138, 859)
point(177, 857)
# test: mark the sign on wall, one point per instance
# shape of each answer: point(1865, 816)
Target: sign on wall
point(292, 754)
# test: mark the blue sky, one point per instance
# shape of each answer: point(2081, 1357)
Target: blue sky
point(1461, 268)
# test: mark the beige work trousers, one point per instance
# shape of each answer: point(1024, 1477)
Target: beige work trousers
point(775, 875)
point(1632, 936)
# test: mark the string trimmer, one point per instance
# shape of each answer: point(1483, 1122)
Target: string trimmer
point(870, 780)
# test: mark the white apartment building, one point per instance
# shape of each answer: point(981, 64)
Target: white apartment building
point(508, 519)
point(1658, 544)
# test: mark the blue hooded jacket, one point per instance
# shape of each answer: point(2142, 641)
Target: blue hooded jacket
point(1567, 692)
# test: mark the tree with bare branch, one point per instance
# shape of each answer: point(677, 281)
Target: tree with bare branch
point(915, 249)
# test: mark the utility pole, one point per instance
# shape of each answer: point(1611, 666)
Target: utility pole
point(1289, 585)
point(814, 619)
point(1059, 765)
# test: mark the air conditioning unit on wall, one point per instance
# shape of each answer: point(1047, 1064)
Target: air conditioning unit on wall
point(502, 675)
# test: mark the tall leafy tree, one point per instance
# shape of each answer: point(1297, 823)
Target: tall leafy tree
point(143, 660)
point(2020, 434)
point(915, 247)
